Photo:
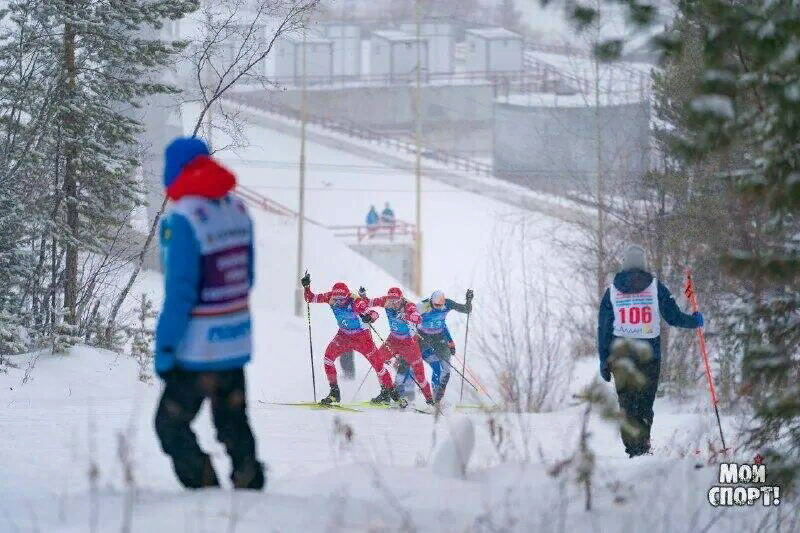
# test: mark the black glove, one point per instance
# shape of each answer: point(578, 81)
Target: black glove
point(470, 295)
point(452, 347)
point(605, 372)
point(367, 318)
point(306, 280)
point(362, 292)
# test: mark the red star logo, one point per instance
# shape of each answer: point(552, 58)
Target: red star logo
point(758, 459)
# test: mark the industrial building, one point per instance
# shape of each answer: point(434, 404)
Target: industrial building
point(394, 54)
point(287, 59)
point(440, 36)
point(494, 50)
point(346, 38)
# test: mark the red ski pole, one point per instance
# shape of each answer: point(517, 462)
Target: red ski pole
point(688, 290)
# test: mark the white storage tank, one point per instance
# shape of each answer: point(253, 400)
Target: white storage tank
point(494, 50)
point(394, 54)
point(346, 39)
point(287, 59)
point(441, 43)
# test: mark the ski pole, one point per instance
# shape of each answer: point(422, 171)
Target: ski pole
point(311, 349)
point(692, 296)
point(464, 362)
point(362, 384)
point(470, 374)
point(456, 370)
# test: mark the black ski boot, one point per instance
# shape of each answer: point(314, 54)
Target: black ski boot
point(384, 397)
point(398, 398)
point(334, 396)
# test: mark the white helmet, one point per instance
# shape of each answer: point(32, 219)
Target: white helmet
point(437, 299)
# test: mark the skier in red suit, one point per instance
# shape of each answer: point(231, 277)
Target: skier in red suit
point(401, 342)
point(353, 335)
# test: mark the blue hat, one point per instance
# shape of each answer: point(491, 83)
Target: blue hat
point(179, 153)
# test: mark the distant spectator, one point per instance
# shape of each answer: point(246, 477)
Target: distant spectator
point(387, 219)
point(372, 221)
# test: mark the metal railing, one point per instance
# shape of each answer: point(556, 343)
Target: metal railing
point(391, 232)
point(403, 78)
point(351, 129)
point(253, 198)
point(635, 81)
point(399, 231)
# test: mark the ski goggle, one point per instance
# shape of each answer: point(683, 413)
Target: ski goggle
point(338, 299)
point(394, 302)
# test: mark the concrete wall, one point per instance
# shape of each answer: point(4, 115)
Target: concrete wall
point(555, 148)
point(396, 259)
point(388, 107)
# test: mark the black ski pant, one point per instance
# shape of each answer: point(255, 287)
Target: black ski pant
point(637, 404)
point(181, 400)
point(436, 352)
point(347, 360)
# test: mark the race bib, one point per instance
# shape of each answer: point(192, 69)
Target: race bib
point(636, 315)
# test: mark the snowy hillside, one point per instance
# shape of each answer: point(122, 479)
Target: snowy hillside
point(464, 234)
point(71, 413)
point(65, 416)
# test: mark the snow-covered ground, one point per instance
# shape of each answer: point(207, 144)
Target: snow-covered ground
point(72, 411)
point(63, 414)
point(76, 410)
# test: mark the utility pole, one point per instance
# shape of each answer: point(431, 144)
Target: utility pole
point(298, 302)
point(418, 119)
point(601, 221)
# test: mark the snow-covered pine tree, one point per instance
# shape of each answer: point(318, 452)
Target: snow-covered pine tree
point(745, 114)
point(106, 66)
point(28, 83)
point(750, 101)
point(142, 338)
point(70, 71)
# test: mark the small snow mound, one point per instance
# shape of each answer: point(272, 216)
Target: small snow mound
point(451, 457)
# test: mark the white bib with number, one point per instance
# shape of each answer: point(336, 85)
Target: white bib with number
point(636, 314)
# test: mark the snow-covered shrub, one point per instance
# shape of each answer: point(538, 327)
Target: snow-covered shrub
point(518, 331)
point(14, 337)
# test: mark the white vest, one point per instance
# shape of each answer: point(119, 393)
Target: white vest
point(219, 329)
point(636, 315)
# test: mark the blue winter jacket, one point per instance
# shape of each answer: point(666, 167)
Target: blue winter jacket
point(182, 266)
point(434, 320)
point(372, 217)
point(632, 281)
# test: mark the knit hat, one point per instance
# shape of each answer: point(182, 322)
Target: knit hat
point(634, 258)
point(179, 153)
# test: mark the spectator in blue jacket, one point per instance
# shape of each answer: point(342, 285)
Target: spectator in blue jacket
point(203, 333)
point(628, 328)
point(372, 221)
point(387, 219)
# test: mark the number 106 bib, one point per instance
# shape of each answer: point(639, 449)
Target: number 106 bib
point(636, 314)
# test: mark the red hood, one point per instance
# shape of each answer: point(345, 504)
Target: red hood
point(202, 177)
